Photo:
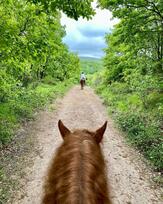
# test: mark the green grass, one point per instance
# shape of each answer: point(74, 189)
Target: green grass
point(141, 125)
point(23, 105)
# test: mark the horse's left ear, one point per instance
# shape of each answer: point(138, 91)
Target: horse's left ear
point(100, 132)
point(63, 129)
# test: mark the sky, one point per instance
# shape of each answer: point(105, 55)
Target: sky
point(87, 37)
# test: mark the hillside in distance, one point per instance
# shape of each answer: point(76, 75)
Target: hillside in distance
point(90, 65)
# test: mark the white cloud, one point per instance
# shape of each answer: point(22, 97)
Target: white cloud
point(87, 37)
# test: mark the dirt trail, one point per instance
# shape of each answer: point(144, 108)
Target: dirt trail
point(128, 176)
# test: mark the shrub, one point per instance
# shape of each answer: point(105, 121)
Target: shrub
point(7, 86)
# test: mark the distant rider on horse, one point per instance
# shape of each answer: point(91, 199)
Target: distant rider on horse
point(82, 80)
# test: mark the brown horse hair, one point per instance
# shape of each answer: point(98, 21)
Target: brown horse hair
point(77, 172)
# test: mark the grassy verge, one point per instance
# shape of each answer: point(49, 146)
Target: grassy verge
point(142, 125)
point(23, 105)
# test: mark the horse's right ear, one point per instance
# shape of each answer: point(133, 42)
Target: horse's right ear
point(63, 129)
point(100, 132)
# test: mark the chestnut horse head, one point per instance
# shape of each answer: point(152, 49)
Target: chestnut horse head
point(77, 172)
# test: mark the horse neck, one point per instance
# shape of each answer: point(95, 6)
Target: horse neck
point(78, 172)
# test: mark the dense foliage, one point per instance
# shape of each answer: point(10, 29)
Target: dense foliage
point(31, 52)
point(139, 34)
point(131, 83)
point(72, 8)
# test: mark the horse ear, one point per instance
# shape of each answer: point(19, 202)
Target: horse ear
point(100, 132)
point(63, 129)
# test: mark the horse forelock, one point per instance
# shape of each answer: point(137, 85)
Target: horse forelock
point(81, 135)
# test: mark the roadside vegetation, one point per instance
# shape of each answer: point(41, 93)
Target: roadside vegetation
point(35, 65)
point(24, 104)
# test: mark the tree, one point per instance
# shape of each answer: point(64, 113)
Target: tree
point(72, 8)
point(31, 45)
point(141, 26)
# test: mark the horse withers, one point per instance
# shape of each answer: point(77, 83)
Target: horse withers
point(77, 172)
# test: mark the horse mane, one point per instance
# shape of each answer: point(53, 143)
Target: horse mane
point(77, 172)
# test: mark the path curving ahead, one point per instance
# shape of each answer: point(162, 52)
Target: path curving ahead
point(127, 174)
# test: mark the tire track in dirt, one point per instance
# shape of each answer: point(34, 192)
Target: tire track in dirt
point(128, 176)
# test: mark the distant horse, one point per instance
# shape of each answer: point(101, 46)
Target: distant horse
point(77, 172)
point(82, 83)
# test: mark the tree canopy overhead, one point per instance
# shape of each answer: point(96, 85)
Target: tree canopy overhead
point(72, 8)
point(121, 8)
